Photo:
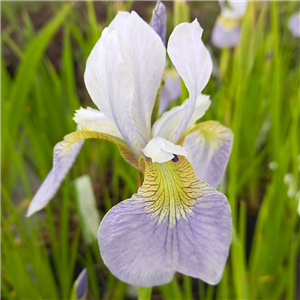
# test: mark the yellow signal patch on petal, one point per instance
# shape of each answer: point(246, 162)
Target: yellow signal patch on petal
point(83, 134)
point(228, 24)
point(171, 189)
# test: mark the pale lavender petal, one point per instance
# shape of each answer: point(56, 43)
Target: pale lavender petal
point(64, 157)
point(146, 239)
point(208, 150)
point(203, 239)
point(159, 20)
point(234, 9)
point(223, 37)
point(294, 24)
point(134, 247)
point(164, 100)
point(82, 283)
point(170, 91)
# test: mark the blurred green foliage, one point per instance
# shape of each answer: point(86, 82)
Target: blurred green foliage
point(255, 92)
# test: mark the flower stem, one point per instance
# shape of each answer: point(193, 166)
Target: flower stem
point(145, 293)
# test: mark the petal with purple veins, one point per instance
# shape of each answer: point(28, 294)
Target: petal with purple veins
point(64, 155)
point(174, 223)
point(208, 147)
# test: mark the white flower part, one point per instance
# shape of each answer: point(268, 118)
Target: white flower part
point(193, 63)
point(166, 125)
point(144, 55)
point(93, 119)
point(235, 10)
point(111, 86)
point(160, 150)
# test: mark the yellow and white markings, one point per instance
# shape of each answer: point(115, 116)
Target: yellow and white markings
point(171, 189)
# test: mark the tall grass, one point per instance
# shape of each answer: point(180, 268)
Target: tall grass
point(256, 94)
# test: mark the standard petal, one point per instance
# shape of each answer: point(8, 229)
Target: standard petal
point(225, 35)
point(166, 125)
point(65, 153)
point(144, 54)
point(235, 10)
point(93, 119)
point(294, 24)
point(208, 147)
point(193, 63)
point(64, 157)
point(174, 223)
point(110, 84)
point(158, 21)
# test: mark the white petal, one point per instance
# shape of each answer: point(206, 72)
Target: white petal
point(193, 63)
point(167, 124)
point(93, 119)
point(236, 10)
point(144, 54)
point(110, 84)
point(161, 150)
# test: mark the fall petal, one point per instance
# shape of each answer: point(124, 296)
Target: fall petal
point(208, 147)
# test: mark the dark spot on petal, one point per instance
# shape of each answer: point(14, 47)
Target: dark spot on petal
point(175, 158)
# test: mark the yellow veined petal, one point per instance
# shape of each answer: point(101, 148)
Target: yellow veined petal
point(83, 134)
point(171, 189)
point(208, 147)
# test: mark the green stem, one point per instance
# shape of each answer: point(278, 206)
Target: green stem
point(145, 293)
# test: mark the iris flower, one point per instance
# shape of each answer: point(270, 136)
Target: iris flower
point(227, 29)
point(177, 221)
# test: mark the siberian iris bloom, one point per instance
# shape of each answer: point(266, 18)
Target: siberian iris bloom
point(227, 29)
point(177, 221)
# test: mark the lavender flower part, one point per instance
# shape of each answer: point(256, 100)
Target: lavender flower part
point(176, 222)
point(159, 20)
point(170, 91)
point(294, 24)
point(82, 283)
point(225, 37)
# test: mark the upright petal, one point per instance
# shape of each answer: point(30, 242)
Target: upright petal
point(193, 63)
point(144, 55)
point(159, 20)
point(110, 84)
point(167, 124)
point(208, 147)
point(95, 120)
point(65, 153)
point(174, 223)
point(235, 10)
